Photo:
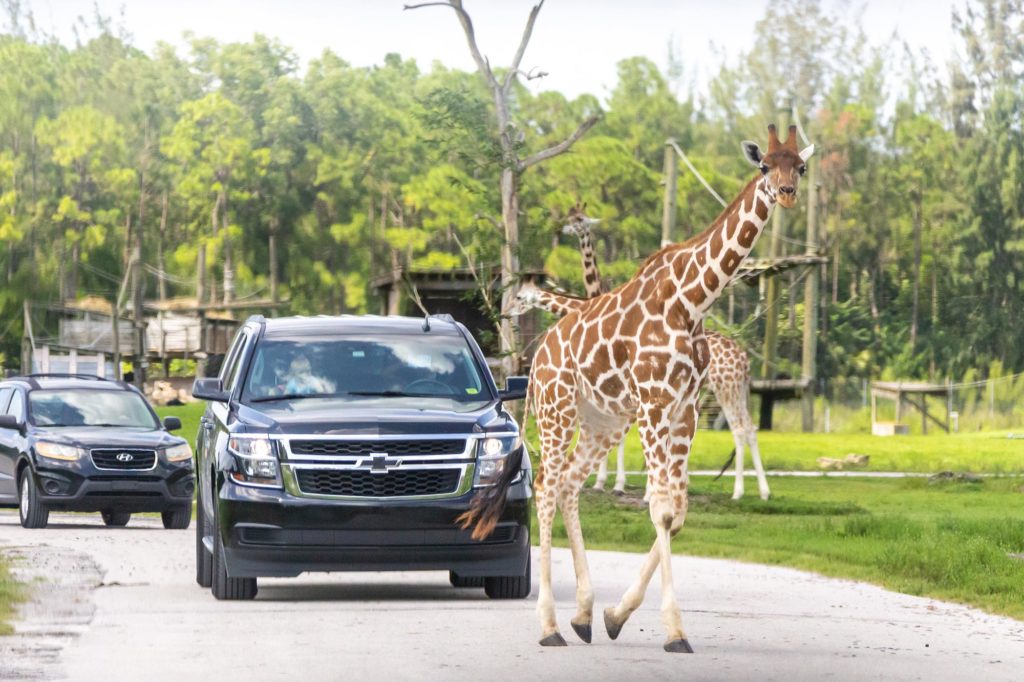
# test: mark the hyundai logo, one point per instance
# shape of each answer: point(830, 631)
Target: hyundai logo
point(125, 457)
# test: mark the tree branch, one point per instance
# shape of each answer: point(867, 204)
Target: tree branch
point(561, 147)
point(467, 27)
point(513, 68)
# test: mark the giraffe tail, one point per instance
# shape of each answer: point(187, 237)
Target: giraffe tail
point(488, 503)
point(732, 456)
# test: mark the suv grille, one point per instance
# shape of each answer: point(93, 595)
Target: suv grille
point(447, 446)
point(361, 483)
point(108, 459)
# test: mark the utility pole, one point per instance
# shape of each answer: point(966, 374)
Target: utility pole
point(138, 321)
point(668, 216)
point(773, 291)
point(811, 295)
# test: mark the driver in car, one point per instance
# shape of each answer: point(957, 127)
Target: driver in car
point(302, 381)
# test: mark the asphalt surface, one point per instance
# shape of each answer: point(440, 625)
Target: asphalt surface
point(122, 604)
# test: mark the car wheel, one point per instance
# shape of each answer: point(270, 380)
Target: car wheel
point(33, 513)
point(204, 562)
point(509, 586)
point(116, 519)
point(464, 581)
point(222, 586)
point(177, 519)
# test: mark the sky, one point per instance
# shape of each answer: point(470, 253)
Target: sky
point(577, 42)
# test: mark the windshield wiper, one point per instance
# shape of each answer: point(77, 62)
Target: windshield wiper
point(293, 396)
point(398, 394)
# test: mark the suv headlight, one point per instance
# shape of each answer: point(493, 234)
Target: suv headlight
point(492, 456)
point(255, 462)
point(62, 451)
point(178, 453)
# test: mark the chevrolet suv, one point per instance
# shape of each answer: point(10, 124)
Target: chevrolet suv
point(356, 443)
point(80, 443)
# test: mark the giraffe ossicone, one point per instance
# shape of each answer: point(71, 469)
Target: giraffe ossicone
point(639, 353)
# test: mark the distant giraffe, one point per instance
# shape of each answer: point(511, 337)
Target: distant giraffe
point(638, 353)
point(728, 370)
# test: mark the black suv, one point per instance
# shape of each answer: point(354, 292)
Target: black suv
point(355, 444)
point(80, 443)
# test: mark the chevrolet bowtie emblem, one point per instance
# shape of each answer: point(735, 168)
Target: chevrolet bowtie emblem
point(380, 463)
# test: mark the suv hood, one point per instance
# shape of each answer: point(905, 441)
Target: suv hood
point(108, 437)
point(372, 421)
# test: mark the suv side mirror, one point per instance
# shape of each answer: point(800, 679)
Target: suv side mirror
point(9, 421)
point(172, 423)
point(209, 389)
point(515, 388)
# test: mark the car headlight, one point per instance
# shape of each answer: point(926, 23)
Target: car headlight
point(492, 458)
point(255, 462)
point(62, 451)
point(179, 452)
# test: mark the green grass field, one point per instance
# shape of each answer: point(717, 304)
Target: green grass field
point(953, 540)
point(10, 594)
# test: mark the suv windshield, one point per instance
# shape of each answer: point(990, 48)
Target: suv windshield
point(361, 367)
point(85, 407)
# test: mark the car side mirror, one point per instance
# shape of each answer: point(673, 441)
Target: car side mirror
point(209, 389)
point(172, 423)
point(515, 388)
point(9, 421)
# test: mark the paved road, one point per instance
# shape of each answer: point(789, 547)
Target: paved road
point(122, 605)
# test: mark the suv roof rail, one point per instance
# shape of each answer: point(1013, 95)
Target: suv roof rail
point(60, 375)
point(447, 317)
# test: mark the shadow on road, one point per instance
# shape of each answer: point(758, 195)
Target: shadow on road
point(363, 591)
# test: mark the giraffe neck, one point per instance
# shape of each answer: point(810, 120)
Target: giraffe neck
point(702, 267)
point(591, 275)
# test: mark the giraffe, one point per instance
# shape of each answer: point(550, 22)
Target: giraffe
point(579, 224)
point(638, 353)
point(728, 369)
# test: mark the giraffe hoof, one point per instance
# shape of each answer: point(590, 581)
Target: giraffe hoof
point(618, 492)
point(610, 625)
point(678, 646)
point(554, 639)
point(583, 630)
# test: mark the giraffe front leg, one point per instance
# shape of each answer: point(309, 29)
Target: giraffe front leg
point(546, 506)
point(667, 514)
point(620, 472)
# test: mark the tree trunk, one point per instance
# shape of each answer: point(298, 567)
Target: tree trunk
point(509, 268)
point(162, 280)
point(272, 255)
point(229, 274)
point(916, 278)
point(201, 272)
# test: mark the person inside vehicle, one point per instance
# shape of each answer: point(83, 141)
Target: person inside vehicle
point(302, 381)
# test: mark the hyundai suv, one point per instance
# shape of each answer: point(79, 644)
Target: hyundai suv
point(81, 443)
point(360, 443)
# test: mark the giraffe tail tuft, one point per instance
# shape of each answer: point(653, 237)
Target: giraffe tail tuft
point(488, 503)
point(732, 456)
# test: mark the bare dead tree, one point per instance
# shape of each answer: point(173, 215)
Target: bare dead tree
point(512, 166)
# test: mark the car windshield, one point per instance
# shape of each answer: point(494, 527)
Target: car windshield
point(86, 407)
point(361, 367)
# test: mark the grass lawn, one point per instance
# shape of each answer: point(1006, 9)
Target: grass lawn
point(951, 540)
point(189, 415)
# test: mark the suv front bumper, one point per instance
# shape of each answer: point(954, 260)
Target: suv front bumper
point(269, 532)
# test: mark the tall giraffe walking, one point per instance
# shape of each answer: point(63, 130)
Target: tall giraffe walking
point(728, 368)
point(639, 353)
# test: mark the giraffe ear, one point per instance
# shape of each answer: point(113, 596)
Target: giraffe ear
point(752, 152)
point(806, 153)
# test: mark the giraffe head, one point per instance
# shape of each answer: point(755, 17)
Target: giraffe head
point(579, 223)
point(526, 299)
point(782, 166)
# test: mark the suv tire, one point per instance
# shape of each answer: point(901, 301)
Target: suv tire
point(177, 519)
point(32, 512)
point(222, 586)
point(204, 562)
point(509, 586)
point(115, 519)
point(464, 581)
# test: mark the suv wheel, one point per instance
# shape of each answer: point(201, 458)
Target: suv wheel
point(204, 562)
point(222, 586)
point(116, 519)
point(177, 519)
point(509, 586)
point(33, 513)
point(468, 581)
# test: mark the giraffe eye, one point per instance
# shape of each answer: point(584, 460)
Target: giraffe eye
point(764, 169)
point(802, 169)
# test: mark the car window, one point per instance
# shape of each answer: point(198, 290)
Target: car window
point(89, 407)
point(5, 396)
point(17, 406)
point(235, 365)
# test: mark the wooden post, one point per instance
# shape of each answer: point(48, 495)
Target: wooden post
point(810, 344)
point(874, 411)
point(668, 215)
point(771, 319)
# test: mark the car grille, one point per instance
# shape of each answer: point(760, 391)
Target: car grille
point(439, 446)
point(108, 459)
point(362, 483)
